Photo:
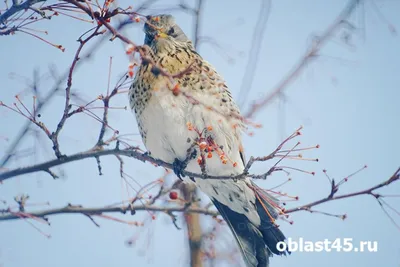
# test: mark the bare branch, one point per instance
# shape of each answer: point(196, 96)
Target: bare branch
point(252, 61)
point(15, 8)
point(67, 107)
point(77, 209)
point(309, 56)
point(197, 17)
point(370, 191)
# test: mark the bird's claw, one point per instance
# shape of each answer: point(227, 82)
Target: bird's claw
point(179, 167)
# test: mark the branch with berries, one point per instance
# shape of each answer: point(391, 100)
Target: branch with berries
point(153, 198)
point(280, 152)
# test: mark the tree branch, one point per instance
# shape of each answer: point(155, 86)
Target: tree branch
point(15, 8)
point(257, 38)
point(77, 209)
point(370, 191)
point(310, 55)
point(67, 106)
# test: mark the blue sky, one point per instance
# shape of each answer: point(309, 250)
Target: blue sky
point(347, 101)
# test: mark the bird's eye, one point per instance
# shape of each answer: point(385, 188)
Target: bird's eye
point(171, 31)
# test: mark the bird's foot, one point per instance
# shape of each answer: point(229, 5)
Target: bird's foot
point(178, 167)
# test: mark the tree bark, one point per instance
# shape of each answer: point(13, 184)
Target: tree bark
point(194, 230)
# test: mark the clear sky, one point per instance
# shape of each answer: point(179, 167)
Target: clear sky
point(347, 101)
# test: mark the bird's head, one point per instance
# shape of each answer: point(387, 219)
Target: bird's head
point(163, 27)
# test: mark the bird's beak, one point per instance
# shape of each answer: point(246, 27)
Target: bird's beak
point(154, 32)
point(161, 34)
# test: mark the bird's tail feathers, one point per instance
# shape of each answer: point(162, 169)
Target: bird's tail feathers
point(256, 243)
point(268, 208)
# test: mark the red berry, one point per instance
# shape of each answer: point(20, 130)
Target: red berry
point(173, 195)
point(175, 90)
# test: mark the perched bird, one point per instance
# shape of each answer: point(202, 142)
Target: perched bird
point(187, 117)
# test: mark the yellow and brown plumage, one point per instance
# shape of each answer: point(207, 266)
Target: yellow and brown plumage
point(202, 110)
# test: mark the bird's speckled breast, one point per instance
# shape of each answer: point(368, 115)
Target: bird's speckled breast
point(203, 101)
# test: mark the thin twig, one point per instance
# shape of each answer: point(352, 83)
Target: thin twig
point(369, 191)
point(67, 106)
point(309, 56)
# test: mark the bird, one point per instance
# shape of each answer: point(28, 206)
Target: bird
point(187, 117)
